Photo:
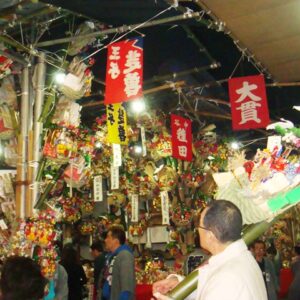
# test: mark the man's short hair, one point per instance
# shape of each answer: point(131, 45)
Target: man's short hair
point(21, 278)
point(97, 246)
point(224, 219)
point(259, 242)
point(117, 231)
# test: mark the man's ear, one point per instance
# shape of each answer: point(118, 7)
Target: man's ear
point(212, 236)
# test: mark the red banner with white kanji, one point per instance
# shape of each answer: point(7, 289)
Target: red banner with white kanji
point(181, 137)
point(124, 71)
point(249, 105)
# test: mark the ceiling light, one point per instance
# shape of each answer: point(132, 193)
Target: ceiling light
point(138, 149)
point(235, 145)
point(138, 105)
point(98, 145)
point(59, 77)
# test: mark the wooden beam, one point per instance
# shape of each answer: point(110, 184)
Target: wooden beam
point(210, 114)
point(146, 92)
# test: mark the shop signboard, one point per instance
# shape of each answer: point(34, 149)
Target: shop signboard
point(248, 99)
point(181, 138)
point(124, 71)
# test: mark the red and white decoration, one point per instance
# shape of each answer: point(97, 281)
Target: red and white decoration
point(124, 71)
point(248, 99)
point(181, 137)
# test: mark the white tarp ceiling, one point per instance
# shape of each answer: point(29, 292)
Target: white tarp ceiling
point(270, 29)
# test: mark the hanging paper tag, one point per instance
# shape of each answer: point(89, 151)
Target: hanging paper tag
point(3, 225)
point(143, 137)
point(6, 117)
point(134, 208)
point(148, 244)
point(117, 155)
point(274, 141)
point(165, 207)
point(114, 177)
point(7, 184)
point(98, 189)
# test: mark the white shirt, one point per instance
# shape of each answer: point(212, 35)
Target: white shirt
point(231, 275)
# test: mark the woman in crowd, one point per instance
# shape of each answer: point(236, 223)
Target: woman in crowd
point(76, 275)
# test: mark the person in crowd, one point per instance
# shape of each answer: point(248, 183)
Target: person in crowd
point(99, 263)
point(294, 289)
point(60, 277)
point(76, 275)
point(21, 278)
point(231, 273)
point(274, 255)
point(58, 284)
point(267, 269)
point(119, 273)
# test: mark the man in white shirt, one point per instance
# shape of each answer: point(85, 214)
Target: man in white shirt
point(231, 272)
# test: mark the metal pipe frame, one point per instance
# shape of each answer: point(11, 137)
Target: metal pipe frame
point(121, 29)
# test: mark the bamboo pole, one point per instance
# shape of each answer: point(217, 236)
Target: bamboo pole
point(41, 201)
point(214, 115)
point(22, 146)
point(197, 42)
point(38, 126)
point(28, 207)
point(19, 177)
point(120, 29)
point(29, 149)
point(174, 75)
point(219, 82)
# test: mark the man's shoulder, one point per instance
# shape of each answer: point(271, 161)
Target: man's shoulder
point(125, 253)
point(245, 261)
point(268, 262)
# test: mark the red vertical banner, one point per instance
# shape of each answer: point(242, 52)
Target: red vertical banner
point(181, 138)
point(124, 71)
point(249, 105)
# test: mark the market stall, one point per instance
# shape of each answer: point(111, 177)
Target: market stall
point(80, 164)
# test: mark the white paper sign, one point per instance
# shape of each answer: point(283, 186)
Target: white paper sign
point(98, 188)
point(134, 208)
point(117, 155)
point(143, 137)
point(274, 141)
point(73, 82)
point(114, 177)
point(165, 207)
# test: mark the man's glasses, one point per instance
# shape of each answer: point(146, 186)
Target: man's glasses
point(204, 228)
